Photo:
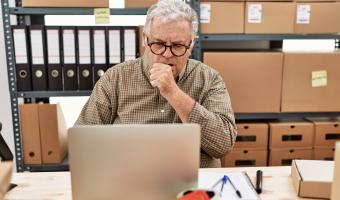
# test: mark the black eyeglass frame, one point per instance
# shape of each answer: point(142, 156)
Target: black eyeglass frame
point(168, 46)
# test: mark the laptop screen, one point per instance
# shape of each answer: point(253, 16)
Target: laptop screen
point(133, 161)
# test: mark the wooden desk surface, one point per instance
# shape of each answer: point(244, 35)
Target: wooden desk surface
point(277, 184)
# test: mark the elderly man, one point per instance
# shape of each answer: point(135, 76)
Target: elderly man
point(165, 86)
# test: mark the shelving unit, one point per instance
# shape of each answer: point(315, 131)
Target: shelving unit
point(36, 16)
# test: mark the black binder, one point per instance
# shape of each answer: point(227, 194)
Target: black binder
point(22, 64)
point(130, 43)
point(55, 74)
point(99, 44)
point(38, 58)
point(70, 71)
point(84, 58)
point(114, 46)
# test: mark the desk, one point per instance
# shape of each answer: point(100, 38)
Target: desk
point(277, 184)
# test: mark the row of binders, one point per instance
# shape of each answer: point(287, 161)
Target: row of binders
point(69, 58)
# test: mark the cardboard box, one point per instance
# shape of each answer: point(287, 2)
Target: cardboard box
point(336, 175)
point(311, 82)
point(323, 153)
point(222, 17)
point(66, 3)
point(290, 134)
point(327, 131)
point(321, 17)
point(269, 17)
point(30, 133)
point(243, 158)
point(53, 133)
point(253, 79)
point(309, 184)
point(139, 3)
point(278, 157)
point(5, 176)
point(251, 136)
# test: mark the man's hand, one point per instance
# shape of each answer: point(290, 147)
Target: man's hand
point(161, 77)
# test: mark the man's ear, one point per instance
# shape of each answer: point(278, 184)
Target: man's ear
point(145, 42)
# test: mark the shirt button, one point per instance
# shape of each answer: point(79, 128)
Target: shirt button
point(162, 111)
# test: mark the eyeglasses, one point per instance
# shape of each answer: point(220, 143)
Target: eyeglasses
point(159, 48)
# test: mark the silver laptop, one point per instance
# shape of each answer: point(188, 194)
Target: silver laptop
point(133, 161)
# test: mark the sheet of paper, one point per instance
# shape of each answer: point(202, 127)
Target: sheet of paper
point(53, 48)
point(37, 48)
point(205, 12)
point(303, 14)
point(255, 13)
point(102, 15)
point(129, 44)
point(69, 47)
point(207, 179)
point(84, 47)
point(114, 46)
point(99, 47)
point(20, 46)
point(319, 78)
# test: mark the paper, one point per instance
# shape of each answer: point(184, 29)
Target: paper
point(129, 44)
point(84, 47)
point(255, 13)
point(303, 14)
point(102, 15)
point(319, 78)
point(99, 47)
point(114, 46)
point(69, 47)
point(20, 47)
point(37, 48)
point(207, 179)
point(205, 13)
point(53, 48)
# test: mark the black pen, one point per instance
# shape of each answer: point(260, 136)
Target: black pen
point(259, 177)
point(236, 190)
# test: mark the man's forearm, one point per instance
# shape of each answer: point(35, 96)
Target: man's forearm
point(182, 103)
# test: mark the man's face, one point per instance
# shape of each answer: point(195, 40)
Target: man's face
point(170, 33)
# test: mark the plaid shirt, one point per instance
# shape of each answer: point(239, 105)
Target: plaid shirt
point(124, 95)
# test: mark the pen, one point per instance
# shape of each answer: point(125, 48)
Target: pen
point(236, 190)
point(224, 181)
point(259, 177)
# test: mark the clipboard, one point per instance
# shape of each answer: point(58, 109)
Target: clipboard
point(240, 179)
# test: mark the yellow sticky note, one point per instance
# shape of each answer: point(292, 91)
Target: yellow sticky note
point(319, 78)
point(102, 15)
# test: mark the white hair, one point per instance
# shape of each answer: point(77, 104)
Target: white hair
point(171, 10)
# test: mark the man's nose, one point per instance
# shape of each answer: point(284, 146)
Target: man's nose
point(167, 53)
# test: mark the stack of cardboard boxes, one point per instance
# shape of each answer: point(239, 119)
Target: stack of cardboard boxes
point(288, 141)
point(269, 17)
point(250, 148)
point(327, 132)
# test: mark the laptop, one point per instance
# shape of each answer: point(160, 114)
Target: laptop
point(143, 162)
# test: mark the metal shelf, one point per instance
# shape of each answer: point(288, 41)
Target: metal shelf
point(64, 166)
point(265, 37)
point(41, 94)
point(269, 116)
point(74, 11)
